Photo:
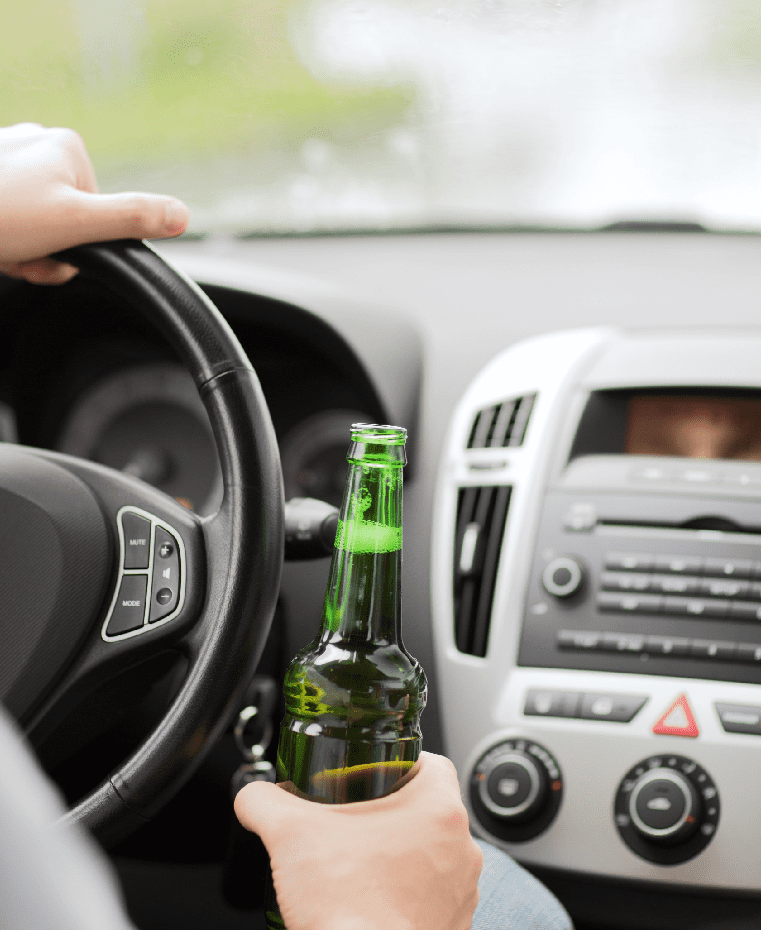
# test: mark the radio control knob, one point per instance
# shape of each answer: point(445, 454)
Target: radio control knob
point(562, 577)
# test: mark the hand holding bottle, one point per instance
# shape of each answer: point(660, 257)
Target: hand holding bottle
point(405, 860)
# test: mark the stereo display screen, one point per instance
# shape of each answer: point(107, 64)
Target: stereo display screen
point(694, 426)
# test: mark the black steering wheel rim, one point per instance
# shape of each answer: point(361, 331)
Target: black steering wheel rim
point(243, 540)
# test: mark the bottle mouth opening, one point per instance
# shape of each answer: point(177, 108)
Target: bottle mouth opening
point(378, 433)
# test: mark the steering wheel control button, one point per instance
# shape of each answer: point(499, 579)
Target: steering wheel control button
point(166, 550)
point(166, 576)
point(740, 718)
point(562, 577)
point(667, 809)
point(678, 720)
point(128, 612)
point(152, 569)
point(137, 540)
point(516, 789)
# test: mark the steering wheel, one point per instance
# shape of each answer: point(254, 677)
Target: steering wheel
point(99, 571)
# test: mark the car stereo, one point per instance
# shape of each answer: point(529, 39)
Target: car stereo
point(637, 570)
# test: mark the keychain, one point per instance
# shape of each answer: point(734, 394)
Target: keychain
point(246, 862)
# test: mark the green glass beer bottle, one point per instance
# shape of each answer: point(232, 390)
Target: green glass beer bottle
point(354, 695)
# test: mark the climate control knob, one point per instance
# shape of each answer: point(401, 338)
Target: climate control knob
point(515, 789)
point(667, 809)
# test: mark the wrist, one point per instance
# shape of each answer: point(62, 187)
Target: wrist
point(384, 921)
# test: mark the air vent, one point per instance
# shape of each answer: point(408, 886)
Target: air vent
point(481, 515)
point(502, 425)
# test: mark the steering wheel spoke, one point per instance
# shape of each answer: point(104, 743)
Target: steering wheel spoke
point(153, 584)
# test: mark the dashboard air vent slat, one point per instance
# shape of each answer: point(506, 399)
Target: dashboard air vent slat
point(501, 425)
point(481, 517)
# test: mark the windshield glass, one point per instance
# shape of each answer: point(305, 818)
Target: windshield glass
point(304, 115)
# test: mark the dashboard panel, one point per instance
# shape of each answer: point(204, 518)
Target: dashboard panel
point(552, 320)
point(542, 340)
point(605, 619)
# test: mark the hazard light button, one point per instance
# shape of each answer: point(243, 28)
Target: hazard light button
point(678, 720)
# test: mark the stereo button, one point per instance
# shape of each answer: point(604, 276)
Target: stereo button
point(695, 607)
point(742, 611)
point(667, 646)
point(710, 649)
point(629, 561)
point(623, 642)
point(749, 653)
point(629, 603)
point(625, 581)
point(729, 568)
point(678, 565)
point(675, 584)
point(725, 587)
point(586, 640)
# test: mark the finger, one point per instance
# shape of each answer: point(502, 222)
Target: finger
point(41, 271)
point(99, 217)
point(23, 129)
point(432, 775)
point(74, 152)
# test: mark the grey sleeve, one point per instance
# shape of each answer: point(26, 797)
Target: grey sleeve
point(50, 879)
point(512, 899)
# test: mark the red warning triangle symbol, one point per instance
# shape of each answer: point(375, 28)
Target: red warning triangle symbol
point(678, 720)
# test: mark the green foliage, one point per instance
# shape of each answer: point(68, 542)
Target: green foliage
point(159, 79)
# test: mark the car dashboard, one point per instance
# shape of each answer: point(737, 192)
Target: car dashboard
point(584, 593)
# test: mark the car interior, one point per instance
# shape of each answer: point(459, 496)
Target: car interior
point(580, 378)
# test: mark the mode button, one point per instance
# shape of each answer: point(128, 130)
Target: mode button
point(129, 606)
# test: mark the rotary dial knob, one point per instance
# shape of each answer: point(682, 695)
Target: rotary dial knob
point(516, 789)
point(667, 809)
point(562, 577)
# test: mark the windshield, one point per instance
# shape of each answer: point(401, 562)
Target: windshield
point(313, 115)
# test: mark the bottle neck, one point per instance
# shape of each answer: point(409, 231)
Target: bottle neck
point(363, 598)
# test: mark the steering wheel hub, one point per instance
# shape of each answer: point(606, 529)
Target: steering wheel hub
point(53, 573)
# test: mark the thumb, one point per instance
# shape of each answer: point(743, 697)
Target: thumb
point(262, 808)
point(89, 217)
